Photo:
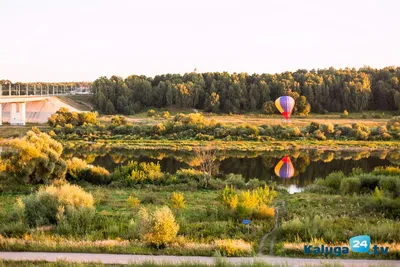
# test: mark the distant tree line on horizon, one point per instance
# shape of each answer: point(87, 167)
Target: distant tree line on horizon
point(323, 90)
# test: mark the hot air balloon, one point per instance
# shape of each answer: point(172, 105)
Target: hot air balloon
point(284, 168)
point(285, 105)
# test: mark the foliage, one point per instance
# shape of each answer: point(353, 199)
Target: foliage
point(118, 120)
point(325, 90)
point(388, 170)
point(51, 203)
point(230, 197)
point(36, 158)
point(134, 173)
point(249, 203)
point(333, 180)
point(269, 107)
point(234, 247)
point(237, 180)
point(158, 228)
point(178, 200)
point(79, 170)
point(186, 175)
point(63, 117)
point(394, 124)
point(133, 201)
point(350, 185)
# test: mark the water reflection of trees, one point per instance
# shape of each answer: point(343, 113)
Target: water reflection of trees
point(309, 164)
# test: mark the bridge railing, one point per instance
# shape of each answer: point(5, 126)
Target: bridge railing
point(17, 90)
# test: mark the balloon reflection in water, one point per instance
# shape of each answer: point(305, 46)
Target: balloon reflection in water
point(284, 168)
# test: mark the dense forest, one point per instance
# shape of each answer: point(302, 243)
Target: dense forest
point(323, 90)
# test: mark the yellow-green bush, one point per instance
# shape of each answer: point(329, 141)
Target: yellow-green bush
point(35, 158)
point(178, 200)
point(247, 203)
point(158, 228)
point(394, 124)
point(78, 169)
point(234, 247)
point(263, 212)
point(133, 201)
point(50, 203)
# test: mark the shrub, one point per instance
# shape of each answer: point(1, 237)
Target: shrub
point(319, 135)
point(189, 174)
point(78, 169)
point(68, 128)
point(368, 182)
point(74, 167)
point(229, 197)
point(41, 209)
point(158, 228)
point(151, 112)
point(334, 179)
point(95, 175)
point(69, 195)
point(178, 200)
point(118, 120)
point(36, 158)
point(327, 128)
point(345, 114)
point(134, 173)
point(50, 203)
point(75, 221)
point(313, 127)
point(394, 124)
point(377, 195)
point(133, 201)
point(263, 212)
point(390, 184)
point(234, 247)
point(350, 185)
point(159, 128)
point(166, 115)
point(388, 170)
point(247, 203)
point(269, 107)
point(63, 116)
point(254, 183)
point(381, 129)
point(237, 180)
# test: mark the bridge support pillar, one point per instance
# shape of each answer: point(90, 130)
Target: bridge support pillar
point(18, 114)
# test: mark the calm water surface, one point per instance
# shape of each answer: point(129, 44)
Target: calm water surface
point(303, 167)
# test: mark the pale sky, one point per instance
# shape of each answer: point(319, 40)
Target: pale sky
point(80, 40)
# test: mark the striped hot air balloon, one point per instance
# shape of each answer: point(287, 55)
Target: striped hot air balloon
point(284, 168)
point(285, 105)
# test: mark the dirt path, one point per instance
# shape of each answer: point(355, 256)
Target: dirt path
point(126, 259)
point(271, 236)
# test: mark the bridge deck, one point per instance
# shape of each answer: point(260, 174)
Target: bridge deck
point(22, 99)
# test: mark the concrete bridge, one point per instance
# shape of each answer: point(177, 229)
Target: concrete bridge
point(39, 99)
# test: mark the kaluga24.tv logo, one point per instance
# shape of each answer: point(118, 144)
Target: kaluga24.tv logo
point(359, 244)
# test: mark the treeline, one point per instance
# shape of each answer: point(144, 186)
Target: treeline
point(324, 90)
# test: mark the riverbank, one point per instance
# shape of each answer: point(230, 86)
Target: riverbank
point(189, 145)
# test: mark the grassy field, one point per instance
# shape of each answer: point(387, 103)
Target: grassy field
point(263, 119)
point(7, 131)
point(306, 218)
